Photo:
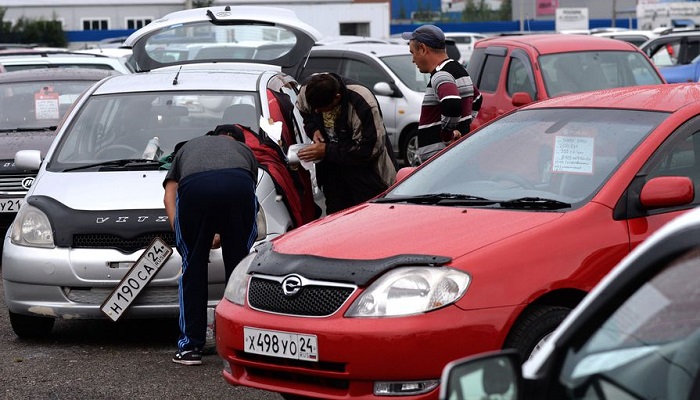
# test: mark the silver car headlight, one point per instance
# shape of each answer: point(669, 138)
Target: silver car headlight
point(31, 228)
point(237, 286)
point(410, 290)
point(261, 221)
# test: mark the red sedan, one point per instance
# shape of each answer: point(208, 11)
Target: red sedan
point(487, 246)
point(511, 71)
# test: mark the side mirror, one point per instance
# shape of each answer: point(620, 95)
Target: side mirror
point(404, 172)
point(482, 376)
point(386, 89)
point(667, 191)
point(521, 98)
point(28, 159)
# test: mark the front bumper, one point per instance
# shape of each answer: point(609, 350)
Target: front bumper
point(354, 353)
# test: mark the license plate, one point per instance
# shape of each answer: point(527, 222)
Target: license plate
point(281, 344)
point(9, 205)
point(143, 270)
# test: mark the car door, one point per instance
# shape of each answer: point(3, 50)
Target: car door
point(679, 155)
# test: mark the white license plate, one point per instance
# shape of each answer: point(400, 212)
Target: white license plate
point(143, 270)
point(297, 346)
point(9, 205)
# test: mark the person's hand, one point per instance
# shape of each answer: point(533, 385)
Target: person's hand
point(313, 152)
point(455, 136)
point(318, 137)
point(217, 242)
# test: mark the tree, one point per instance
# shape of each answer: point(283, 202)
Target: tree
point(506, 11)
point(26, 31)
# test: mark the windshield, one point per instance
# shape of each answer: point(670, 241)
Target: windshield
point(403, 67)
point(576, 72)
point(37, 105)
point(649, 347)
point(119, 127)
point(559, 154)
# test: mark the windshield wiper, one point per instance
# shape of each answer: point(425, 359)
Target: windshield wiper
point(439, 198)
point(539, 203)
point(30, 129)
point(135, 163)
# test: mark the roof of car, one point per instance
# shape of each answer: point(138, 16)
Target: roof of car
point(376, 49)
point(665, 98)
point(56, 74)
point(196, 77)
point(558, 43)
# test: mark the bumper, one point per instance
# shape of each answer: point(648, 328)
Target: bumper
point(73, 283)
point(354, 353)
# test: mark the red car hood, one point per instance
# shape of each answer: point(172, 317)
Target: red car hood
point(372, 231)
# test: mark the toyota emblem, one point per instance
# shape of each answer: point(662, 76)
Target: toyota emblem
point(27, 182)
point(291, 285)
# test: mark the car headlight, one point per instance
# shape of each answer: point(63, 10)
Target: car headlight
point(31, 228)
point(237, 285)
point(261, 221)
point(410, 290)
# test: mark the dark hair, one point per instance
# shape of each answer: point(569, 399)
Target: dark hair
point(321, 90)
point(229, 130)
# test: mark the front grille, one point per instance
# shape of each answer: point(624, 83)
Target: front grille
point(318, 299)
point(105, 241)
point(13, 184)
point(158, 295)
point(320, 382)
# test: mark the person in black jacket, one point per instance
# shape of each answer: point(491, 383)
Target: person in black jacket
point(354, 162)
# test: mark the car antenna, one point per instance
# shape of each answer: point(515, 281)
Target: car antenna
point(177, 75)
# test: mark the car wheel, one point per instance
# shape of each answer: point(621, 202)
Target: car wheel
point(28, 327)
point(410, 149)
point(534, 329)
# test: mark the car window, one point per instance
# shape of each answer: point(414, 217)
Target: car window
point(319, 64)
point(37, 104)
point(407, 72)
point(575, 72)
point(114, 127)
point(491, 73)
point(560, 154)
point(362, 72)
point(519, 78)
point(649, 345)
point(666, 53)
point(475, 63)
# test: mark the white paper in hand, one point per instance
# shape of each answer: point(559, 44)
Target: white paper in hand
point(273, 129)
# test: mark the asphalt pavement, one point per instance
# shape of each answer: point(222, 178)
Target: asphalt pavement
point(128, 359)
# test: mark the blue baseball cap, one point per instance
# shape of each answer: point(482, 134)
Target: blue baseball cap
point(430, 35)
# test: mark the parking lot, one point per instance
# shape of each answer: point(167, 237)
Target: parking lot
point(106, 360)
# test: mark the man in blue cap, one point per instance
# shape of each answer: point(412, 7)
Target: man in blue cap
point(451, 100)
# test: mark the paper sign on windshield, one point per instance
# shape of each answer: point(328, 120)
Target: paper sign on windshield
point(573, 154)
point(46, 104)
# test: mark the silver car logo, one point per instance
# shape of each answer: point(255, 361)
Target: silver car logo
point(291, 285)
point(27, 182)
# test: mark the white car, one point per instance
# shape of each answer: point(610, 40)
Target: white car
point(636, 335)
point(465, 42)
point(97, 201)
point(388, 71)
point(634, 36)
point(21, 59)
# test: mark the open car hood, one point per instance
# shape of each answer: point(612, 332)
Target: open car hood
point(266, 35)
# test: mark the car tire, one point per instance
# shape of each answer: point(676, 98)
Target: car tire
point(534, 328)
point(409, 148)
point(29, 327)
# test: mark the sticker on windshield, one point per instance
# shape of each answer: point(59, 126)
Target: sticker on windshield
point(573, 154)
point(46, 104)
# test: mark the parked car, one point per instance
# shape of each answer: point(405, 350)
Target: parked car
point(32, 104)
point(636, 336)
point(97, 201)
point(486, 246)
point(511, 71)
point(635, 36)
point(465, 42)
point(676, 55)
point(388, 71)
point(21, 59)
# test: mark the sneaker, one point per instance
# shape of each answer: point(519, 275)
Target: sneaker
point(188, 357)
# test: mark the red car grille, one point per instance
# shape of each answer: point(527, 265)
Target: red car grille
point(312, 300)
